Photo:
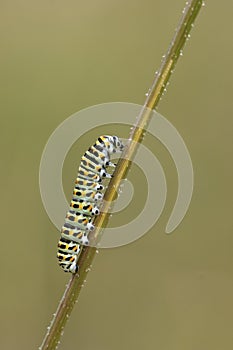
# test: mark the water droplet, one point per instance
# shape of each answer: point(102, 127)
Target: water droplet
point(146, 94)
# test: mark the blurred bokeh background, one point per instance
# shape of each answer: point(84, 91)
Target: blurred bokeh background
point(160, 292)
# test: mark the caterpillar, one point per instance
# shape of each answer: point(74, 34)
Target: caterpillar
point(86, 199)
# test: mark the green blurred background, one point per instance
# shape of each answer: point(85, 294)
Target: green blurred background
point(161, 292)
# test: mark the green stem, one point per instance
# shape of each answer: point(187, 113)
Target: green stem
point(76, 282)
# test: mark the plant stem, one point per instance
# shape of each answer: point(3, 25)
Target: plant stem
point(190, 12)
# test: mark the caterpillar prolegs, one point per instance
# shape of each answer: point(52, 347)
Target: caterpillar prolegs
point(86, 198)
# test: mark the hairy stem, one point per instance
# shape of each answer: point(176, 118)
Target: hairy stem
point(190, 12)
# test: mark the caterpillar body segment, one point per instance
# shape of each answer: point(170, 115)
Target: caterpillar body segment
point(87, 195)
point(88, 184)
point(87, 174)
point(80, 206)
point(70, 232)
point(79, 220)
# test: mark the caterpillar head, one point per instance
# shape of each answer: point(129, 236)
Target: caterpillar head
point(112, 143)
point(117, 143)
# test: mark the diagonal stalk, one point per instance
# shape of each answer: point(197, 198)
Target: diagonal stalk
point(65, 307)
